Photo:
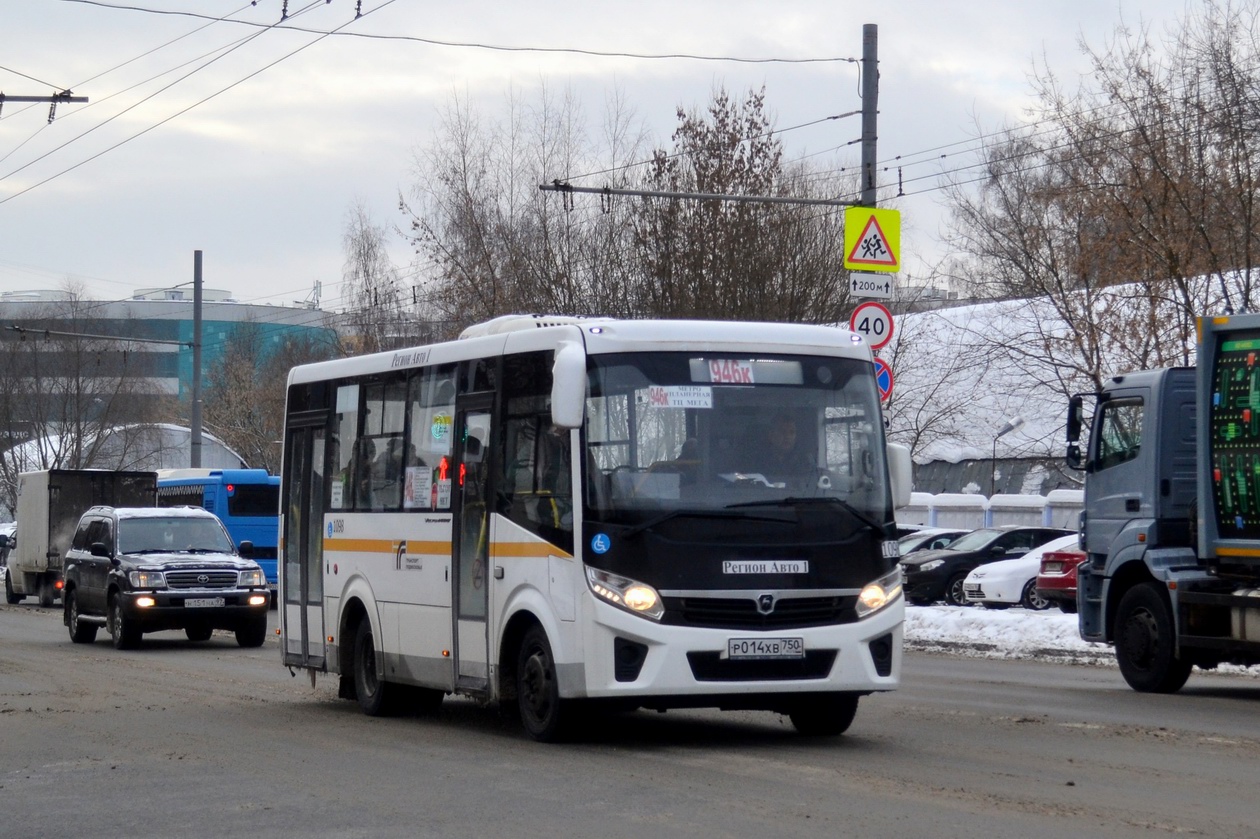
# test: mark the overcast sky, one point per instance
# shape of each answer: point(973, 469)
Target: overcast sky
point(257, 157)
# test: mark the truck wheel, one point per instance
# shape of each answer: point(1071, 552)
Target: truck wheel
point(1145, 642)
point(546, 717)
point(252, 634)
point(11, 596)
point(125, 633)
point(80, 633)
point(825, 716)
point(46, 594)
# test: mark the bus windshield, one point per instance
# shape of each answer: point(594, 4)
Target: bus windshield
point(696, 431)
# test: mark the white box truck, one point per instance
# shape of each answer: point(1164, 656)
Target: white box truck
point(49, 505)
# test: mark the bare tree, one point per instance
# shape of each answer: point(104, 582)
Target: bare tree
point(245, 390)
point(378, 314)
point(72, 401)
point(736, 260)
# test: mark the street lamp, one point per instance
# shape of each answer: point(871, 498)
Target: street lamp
point(1012, 424)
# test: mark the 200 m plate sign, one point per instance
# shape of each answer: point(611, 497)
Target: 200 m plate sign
point(747, 649)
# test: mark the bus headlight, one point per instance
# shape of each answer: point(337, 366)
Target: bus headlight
point(879, 594)
point(629, 594)
point(147, 579)
point(252, 579)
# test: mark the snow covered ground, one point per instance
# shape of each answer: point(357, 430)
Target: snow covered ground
point(1010, 633)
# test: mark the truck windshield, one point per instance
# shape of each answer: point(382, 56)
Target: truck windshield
point(172, 535)
point(679, 432)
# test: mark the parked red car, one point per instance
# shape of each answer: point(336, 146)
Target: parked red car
point(1056, 581)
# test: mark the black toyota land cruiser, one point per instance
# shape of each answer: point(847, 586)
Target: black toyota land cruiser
point(144, 569)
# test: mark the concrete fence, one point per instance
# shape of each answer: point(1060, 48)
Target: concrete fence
point(1059, 508)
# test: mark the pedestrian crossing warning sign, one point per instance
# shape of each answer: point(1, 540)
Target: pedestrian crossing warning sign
point(872, 239)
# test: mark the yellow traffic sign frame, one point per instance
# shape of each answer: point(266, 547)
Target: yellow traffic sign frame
point(872, 239)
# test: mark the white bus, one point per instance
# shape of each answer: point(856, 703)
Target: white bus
point(559, 514)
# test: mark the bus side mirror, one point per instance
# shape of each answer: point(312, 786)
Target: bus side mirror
point(1074, 424)
point(900, 474)
point(568, 386)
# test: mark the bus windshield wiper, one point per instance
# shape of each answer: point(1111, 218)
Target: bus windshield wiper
point(797, 501)
point(699, 514)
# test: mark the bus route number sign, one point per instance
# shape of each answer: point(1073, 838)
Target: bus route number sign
point(873, 322)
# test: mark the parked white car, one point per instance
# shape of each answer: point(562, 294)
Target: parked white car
point(1011, 582)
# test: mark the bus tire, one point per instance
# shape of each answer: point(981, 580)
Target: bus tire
point(545, 716)
point(1146, 644)
point(377, 697)
point(824, 715)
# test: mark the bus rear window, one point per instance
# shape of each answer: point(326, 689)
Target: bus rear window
point(254, 500)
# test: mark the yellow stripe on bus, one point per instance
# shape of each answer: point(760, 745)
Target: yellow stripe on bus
point(1238, 551)
point(498, 550)
point(385, 546)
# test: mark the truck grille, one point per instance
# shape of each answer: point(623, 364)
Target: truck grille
point(201, 579)
point(741, 613)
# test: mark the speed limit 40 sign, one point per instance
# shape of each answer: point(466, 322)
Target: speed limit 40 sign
point(873, 322)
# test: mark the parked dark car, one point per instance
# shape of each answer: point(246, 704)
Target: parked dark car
point(939, 575)
point(1056, 580)
point(145, 569)
point(927, 539)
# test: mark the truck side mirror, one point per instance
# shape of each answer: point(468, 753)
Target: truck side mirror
point(1075, 419)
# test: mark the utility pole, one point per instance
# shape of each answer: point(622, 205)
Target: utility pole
point(870, 108)
point(195, 418)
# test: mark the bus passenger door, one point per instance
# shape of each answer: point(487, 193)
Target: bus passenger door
point(470, 544)
point(302, 581)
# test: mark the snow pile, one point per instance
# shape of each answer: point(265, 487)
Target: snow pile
point(1006, 633)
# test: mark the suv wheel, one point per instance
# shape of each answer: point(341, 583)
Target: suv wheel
point(252, 633)
point(80, 633)
point(125, 633)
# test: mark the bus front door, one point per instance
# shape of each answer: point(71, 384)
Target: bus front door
point(470, 545)
point(302, 581)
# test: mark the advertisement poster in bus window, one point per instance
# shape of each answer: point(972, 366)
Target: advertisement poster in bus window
point(438, 440)
point(418, 488)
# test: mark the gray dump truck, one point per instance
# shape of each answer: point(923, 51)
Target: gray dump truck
point(1171, 520)
point(49, 505)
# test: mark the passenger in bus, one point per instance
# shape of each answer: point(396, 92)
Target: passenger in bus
point(688, 461)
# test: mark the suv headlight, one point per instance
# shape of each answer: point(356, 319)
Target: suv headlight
point(147, 579)
point(252, 579)
point(630, 595)
point(879, 594)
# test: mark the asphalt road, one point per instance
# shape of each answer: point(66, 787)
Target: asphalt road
point(183, 739)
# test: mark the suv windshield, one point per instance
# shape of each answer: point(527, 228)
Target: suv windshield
point(172, 535)
point(679, 432)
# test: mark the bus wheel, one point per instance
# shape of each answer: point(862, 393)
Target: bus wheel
point(1145, 646)
point(376, 696)
point(825, 715)
point(543, 713)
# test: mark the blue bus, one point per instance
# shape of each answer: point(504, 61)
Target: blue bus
point(247, 501)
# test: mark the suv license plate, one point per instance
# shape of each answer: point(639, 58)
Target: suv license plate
point(745, 649)
point(203, 602)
